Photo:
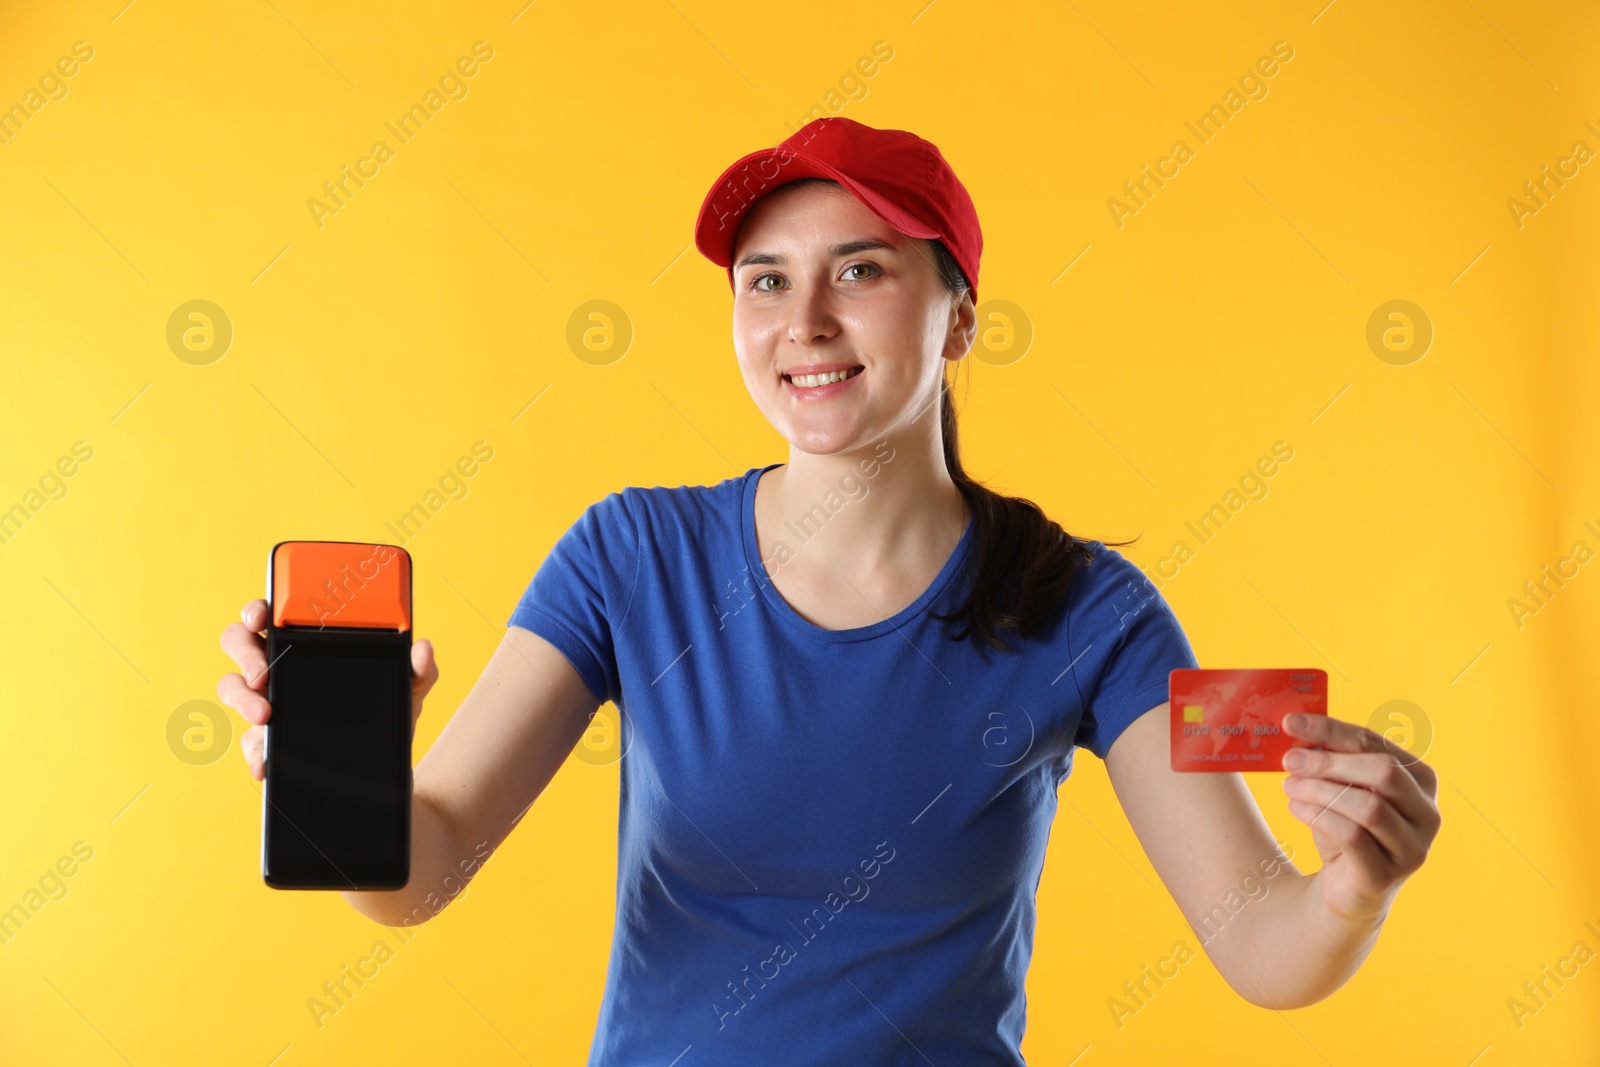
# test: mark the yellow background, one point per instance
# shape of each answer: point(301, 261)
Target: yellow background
point(428, 313)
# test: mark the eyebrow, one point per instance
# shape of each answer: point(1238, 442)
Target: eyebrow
point(849, 248)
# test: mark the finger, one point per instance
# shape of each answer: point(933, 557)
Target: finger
point(1398, 839)
point(232, 691)
point(254, 615)
point(248, 650)
point(1353, 839)
point(1369, 770)
point(1327, 731)
point(424, 671)
point(1340, 736)
point(252, 745)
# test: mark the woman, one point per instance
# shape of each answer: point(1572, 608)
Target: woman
point(851, 684)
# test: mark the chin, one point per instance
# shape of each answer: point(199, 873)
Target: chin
point(818, 441)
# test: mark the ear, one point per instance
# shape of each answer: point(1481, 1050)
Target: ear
point(963, 328)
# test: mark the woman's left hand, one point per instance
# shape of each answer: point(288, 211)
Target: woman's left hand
point(1371, 806)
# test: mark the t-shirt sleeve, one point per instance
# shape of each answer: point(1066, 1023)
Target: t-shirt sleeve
point(581, 592)
point(1126, 640)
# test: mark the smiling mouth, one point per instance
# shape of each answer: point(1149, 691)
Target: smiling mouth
point(811, 381)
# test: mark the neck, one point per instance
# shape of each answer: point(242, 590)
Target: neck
point(871, 508)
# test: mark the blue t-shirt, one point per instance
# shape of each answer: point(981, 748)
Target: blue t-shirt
point(829, 841)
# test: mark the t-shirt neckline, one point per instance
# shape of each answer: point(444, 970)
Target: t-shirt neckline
point(782, 608)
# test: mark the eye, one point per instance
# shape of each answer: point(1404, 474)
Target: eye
point(755, 283)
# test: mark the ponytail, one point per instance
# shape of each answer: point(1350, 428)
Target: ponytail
point(1023, 561)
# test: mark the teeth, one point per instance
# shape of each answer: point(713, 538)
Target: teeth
point(810, 381)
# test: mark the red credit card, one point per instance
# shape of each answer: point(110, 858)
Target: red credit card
point(1232, 720)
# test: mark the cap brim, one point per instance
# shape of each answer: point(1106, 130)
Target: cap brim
point(717, 226)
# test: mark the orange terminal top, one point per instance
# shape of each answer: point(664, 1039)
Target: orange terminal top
point(341, 583)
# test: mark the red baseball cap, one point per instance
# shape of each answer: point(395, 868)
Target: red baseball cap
point(901, 177)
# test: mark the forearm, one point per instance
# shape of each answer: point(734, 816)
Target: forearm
point(1289, 950)
point(435, 856)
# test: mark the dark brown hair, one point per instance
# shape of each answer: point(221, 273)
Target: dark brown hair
point(1023, 562)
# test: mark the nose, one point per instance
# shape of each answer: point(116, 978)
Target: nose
point(811, 318)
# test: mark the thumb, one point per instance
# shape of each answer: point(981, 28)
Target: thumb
point(424, 673)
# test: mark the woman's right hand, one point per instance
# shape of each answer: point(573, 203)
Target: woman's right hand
point(245, 693)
